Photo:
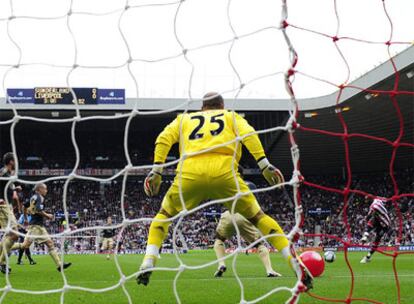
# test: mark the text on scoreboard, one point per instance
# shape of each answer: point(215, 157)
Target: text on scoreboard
point(65, 96)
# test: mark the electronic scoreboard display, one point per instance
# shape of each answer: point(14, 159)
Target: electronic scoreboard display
point(64, 96)
point(61, 96)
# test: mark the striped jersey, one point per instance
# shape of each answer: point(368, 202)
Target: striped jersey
point(378, 214)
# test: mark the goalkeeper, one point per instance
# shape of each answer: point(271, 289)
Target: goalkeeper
point(209, 175)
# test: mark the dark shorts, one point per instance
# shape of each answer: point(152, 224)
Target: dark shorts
point(379, 231)
point(21, 238)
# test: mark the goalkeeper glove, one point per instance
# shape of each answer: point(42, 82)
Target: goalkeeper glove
point(153, 182)
point(270, 172)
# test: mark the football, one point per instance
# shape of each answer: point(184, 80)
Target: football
point(329, 256)
point(314, 262)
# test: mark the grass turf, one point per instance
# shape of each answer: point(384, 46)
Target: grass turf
point(375, 280)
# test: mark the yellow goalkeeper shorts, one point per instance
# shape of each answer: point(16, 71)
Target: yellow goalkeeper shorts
point(209, 177)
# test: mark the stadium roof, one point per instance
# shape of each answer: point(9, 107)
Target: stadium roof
point(371, 78)
point(371, 114)
point(363, 112)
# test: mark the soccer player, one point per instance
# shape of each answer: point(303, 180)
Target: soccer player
point(37, 231)
point(108, 239)
point(379, 222)
point(208, 174)
point(7, 196)
point(22, 230)
point(225, 230)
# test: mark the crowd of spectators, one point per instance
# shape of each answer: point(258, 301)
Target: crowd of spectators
point(89, 203)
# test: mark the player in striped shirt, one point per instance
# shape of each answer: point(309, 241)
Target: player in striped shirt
point(379, 222)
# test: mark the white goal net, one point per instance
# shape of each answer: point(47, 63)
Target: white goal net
point(141, 64)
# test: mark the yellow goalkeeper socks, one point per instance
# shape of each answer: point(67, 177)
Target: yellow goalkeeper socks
point(157, 233)
point(158, 230)
point(267, 226)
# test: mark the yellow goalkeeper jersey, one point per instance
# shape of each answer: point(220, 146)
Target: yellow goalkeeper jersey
point(208, 129)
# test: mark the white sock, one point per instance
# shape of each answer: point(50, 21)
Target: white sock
point(151, 254)
point(152, 250)
point(286, 253)
point(220, 251)
point(264, 256)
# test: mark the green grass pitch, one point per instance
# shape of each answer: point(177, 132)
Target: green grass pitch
point(374, 280)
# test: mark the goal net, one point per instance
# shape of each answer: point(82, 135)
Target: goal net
point(138, 34)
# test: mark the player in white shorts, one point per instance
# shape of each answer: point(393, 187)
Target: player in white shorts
point(225, 230)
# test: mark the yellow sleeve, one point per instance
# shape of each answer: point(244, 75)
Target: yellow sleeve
point(252, 142)
point(168, 137)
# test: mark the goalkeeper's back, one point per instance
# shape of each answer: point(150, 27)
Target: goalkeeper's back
point(213, 130)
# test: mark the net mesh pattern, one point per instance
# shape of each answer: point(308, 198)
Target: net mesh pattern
point(290, 127)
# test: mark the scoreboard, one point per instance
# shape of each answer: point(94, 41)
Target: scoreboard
point(57, 96)
point(66, 96)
